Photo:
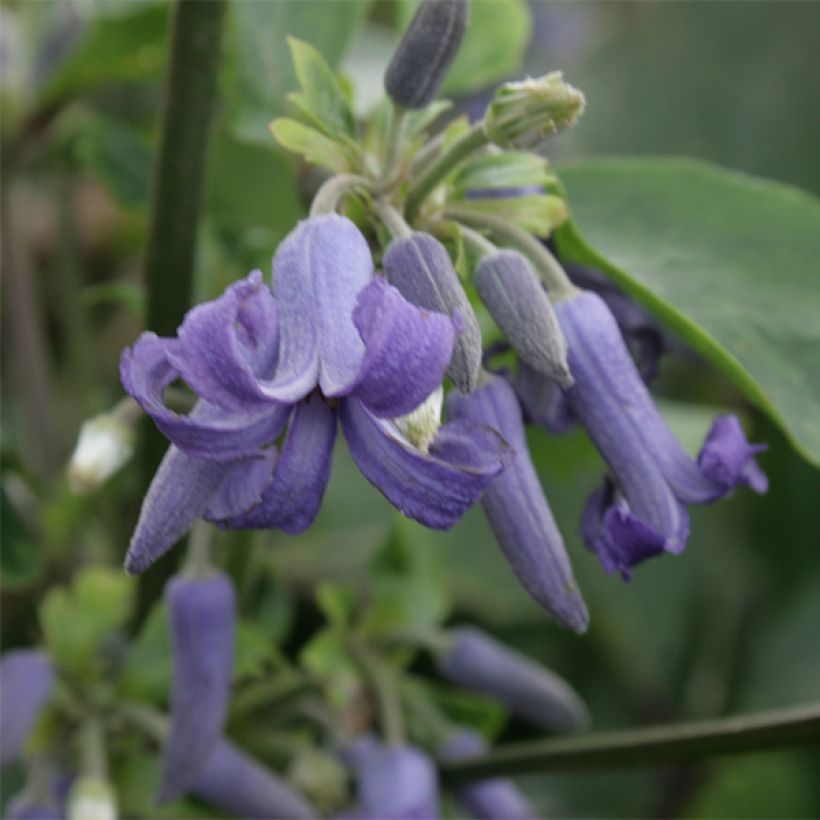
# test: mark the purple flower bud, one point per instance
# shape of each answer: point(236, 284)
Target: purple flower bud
point(397, 783)
point(25, 807)
point(201, 612)
point(26, 679)
point(425, 52)
point(235, 783)
point(513, 294)
point(480, 663)
point(495, 799)
point(420, 267)
point(518, 511)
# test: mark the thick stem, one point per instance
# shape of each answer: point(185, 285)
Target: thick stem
point(654, 746)
point(394, 139)
point(465, 145)
point(94, 761)
point(392, 219)
point(383, 686)
point(548, 267)
point(330, 196)
point(179, 177)
point(198, 559)
point(477, 241)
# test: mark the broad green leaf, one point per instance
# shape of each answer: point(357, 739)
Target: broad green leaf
point(322, 97)
point(728, 261)
point(314, 146)
point(262, 73)
point(127, 47)
point(510, 170)
point(537, 213)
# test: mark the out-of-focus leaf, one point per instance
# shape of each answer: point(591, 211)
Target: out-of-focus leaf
point(728, 261)
point(337, 602)
point(507, 171)
point(263, 74)
point(21, 561)
point(253, 649)
point(314, 146)
point(128, 47)
point(125, 294)
point(539, 214)
point(321, 98)
point(146, 674)
point(119, 158)
point(326, 658)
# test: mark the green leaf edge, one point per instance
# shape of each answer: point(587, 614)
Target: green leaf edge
point(572, 244)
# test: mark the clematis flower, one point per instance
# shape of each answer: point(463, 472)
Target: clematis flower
point(641, 511)
point(274, 373)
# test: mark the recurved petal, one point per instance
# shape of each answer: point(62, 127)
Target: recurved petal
point(318, 272)
point(26, 680)
point(727, 458)
point(208, 432)
point(482, 664)
point(293, 495)
point(227, 345)
point(407, 350)
point(202, 614)
point(510, 289)
point(420, 267)
point(517, 509)
point(179, 493)
point(493, 799)
point(612, 402)
point(235, 783)
point(435, 488)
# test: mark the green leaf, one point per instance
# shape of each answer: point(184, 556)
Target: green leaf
point(314, 146)
point(147, 673)
point(537, 213)
point(728, 261)
point(263, 74)
point(513, 169)
point(322, 97)
point(126, 47)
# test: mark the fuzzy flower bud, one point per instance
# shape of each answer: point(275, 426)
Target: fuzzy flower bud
point(425, 52)
point(524, 114)
point(105, 444)
point(26, 681)
point(92, 799)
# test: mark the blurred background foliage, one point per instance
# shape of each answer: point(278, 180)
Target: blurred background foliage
point(731, 625)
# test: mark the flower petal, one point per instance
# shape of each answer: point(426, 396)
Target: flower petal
point(292, 498)
point(179, 493)
point(420, 267)
point(434, 489)
point(727, 458)
point(227, 345)
point(318, 272)
point(208, 432)
point(26, 680)
point(243, 487)
point(408, 350)
point(542, 400)
point(518, 511)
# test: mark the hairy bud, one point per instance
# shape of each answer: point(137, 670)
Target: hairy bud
point(92, 798)
point(425, 52)
point(105, 444)
point(26, 680)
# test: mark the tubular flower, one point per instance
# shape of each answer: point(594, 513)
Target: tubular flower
point(518, 511)
point(202, 612)
point(26, 681)
point(495, 799)
point(480, 663)
point(335, 341)
point(641, 512)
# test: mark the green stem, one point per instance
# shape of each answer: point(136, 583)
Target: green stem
point(93, 758)
point(268, 694)
point(477, 241)
point(332, 193)
point(383, 685)
point(179, 176)
point(654, 746)
point(150, 721)
point(198, 559)
point(465, 145)
point(394, 139)
point(548, 267)
point(392, 219)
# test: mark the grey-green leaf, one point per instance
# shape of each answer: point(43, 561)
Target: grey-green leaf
point(730, 262)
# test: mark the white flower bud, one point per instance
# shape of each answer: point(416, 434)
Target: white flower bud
point(92, 799)
point(105, 444)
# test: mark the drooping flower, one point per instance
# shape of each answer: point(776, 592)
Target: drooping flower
point(201, 612)
point(480, 663)
point(493, 799)
point(334, 341)
point(26, 681)
point(641, 512)
point(518, 511)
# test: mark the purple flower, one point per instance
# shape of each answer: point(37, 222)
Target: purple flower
point(26, 680)
point(518, 511)
point(396, 783)
point(235, 783)
point(202, 612)
point(495, 799)
point(333, 342)
point(482, 664)
point(641, 512)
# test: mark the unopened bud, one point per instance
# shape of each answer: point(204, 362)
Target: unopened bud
point(105, 444)
point(420, 267)
point(425, 52)
point(513, 294)
point(92, 799)
point(420, 426)
point(524, 114)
